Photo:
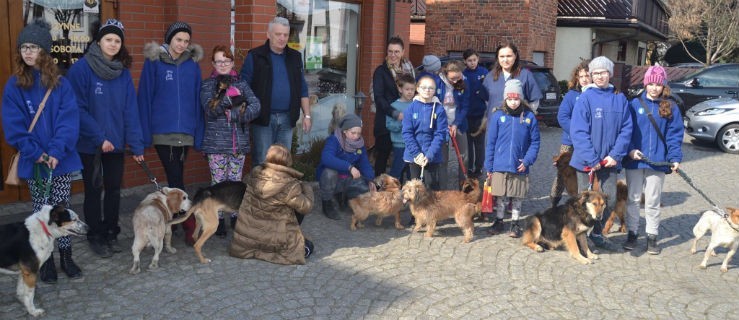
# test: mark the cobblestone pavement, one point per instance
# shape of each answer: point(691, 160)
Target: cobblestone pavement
point(383, 273)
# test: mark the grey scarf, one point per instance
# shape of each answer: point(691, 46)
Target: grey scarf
point(348, 145)
point(103, 68)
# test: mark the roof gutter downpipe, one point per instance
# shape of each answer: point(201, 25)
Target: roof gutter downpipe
point(390, 20)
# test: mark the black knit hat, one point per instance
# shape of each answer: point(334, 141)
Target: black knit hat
point(110, 26)
point(37, 33)
point(176, 27)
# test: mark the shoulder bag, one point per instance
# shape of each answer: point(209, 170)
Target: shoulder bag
point(12, 177)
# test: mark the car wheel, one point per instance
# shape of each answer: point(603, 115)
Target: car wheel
point(728, 139)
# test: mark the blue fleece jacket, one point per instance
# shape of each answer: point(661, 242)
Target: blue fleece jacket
point(461, 100)
point(531, 91)
point(645, 138)
point(396, 127)
point(334, 157)
point(601, 126)
point(56, 130)
point(169, 96)
point(478, 94)
point(108, 110)
point(510, 141)
point(424, 130)
point(564, 115)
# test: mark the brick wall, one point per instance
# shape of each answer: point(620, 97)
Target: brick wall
point(483, 24)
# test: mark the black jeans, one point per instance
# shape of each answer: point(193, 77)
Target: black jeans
point(383, 147)
point(431, 174)
point(173, 162)
point(475, 147)
point(103, 220)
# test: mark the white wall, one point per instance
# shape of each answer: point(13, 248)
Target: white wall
point(571, 45)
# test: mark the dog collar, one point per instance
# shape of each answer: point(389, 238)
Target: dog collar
point(43, 225)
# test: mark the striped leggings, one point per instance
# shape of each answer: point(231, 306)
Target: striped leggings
point(61, 187)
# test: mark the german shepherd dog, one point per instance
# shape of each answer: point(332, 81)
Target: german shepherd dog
point(567, 224)
point(28, 244)
point(222, 196)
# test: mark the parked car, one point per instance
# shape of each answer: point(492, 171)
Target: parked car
point(716, 121)
point(716, 81)
point(549, 105)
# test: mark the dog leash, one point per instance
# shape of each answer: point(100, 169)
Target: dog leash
point(459, 156)
point(591, 173)
point(152, 178)
point(40, 182)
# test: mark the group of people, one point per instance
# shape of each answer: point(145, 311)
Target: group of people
point(86, 118)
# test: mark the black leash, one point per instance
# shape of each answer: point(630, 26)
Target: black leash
point(152, 178)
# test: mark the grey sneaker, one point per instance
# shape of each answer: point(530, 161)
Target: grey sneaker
point(630, 243)
point(652, 247)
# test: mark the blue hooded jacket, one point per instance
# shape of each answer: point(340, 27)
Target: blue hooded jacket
point(461, 100)
point(478, 94)
point(169, 94)
point(334, 157)
point(424, 130)
point(56, 131)
point(108, 110)
point(600, 127)
point(511, 140)
point(564, 115)
point(645, 137)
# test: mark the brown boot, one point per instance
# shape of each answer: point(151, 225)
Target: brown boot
point(189, 227)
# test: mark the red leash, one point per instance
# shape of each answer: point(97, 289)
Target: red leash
point(459, 156)
point(591, 174)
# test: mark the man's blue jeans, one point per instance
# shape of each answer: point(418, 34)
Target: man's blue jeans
point(279, 130)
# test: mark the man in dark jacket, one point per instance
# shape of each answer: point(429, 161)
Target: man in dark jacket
point(275, 74)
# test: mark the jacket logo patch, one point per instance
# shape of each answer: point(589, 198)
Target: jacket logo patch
point(415, 116)
point(359, 151)
point(502, 118)
point(98, 88)
point(169, 76)
point(641, 111)
point(598, 113)
point(528, 121)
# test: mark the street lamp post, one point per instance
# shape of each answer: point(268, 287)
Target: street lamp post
point(359, 102)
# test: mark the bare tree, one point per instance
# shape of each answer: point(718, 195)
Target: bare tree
point(714, 24)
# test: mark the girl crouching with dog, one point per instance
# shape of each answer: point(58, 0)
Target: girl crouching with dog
point(344, 167)
point(657, 136)
point(228, 105)
point(273, 207)
point(512, 147)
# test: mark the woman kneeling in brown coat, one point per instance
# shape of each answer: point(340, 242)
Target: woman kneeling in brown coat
point(275, 201)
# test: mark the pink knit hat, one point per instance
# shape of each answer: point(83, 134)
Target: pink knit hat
point(655, 74)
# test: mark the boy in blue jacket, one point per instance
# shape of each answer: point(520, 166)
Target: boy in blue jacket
point(512, 147)
point(407, 89)
point(475, 75)
point(600, 130)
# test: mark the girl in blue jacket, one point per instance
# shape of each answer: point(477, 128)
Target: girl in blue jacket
point(600, 130)
point(109, 120)
point(512, 147)
point(579, 79)
point(51, 144)
point(344, 167)
point(169, 104)
point(452, 89)
point(475, 75)
point(424, 132)
point(662, 143)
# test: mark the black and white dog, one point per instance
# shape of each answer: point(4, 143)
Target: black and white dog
point(28, 244)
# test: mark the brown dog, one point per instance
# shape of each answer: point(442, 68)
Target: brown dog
point(428, 207)
point(150, 226)
point(622, 195)
point(223, 196)
point(386, 202)
point(567, 225)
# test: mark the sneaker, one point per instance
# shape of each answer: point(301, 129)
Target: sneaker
point(412, 223)
point(601, 242)
point(309, 249)
point(496, 227)
point(221, 229)
point(114, 245)
point(630, 243)
point(652, 247)
point(100, 249)
point(515, 231)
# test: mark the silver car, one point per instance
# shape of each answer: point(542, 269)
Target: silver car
point(715, 120)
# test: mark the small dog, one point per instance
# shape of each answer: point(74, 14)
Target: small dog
point(222, 196)
point(28, 244)
point(338, 112)
point(724, 233)
point(150, 227)
point(385, 202)
point(428, 207)
point(568, 173)
point(567, 224)
point(622, 195)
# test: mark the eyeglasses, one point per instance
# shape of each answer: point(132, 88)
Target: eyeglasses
point(427, 88)
point(599, 74)
point(32, 48)
point(223, 62)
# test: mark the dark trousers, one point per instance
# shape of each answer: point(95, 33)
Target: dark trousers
point(475, 147)
point(383, 147)
point(103, 219)
point(173, 161)
point(431, 174)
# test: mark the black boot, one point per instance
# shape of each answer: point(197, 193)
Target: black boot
point(67, 264)
point(99, 247)
point(652, 247)
point(630, 243)
point(233, 222)
point(341, 200)
point(515, 231)
point(329, 211)
point(221, 230)
point(47, 273)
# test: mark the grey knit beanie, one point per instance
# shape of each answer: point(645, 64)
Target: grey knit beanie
point(513, 89)
point(601, 63)
point(431, 63)
point(350, 121)
point(176, 27)
point(38, 33)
